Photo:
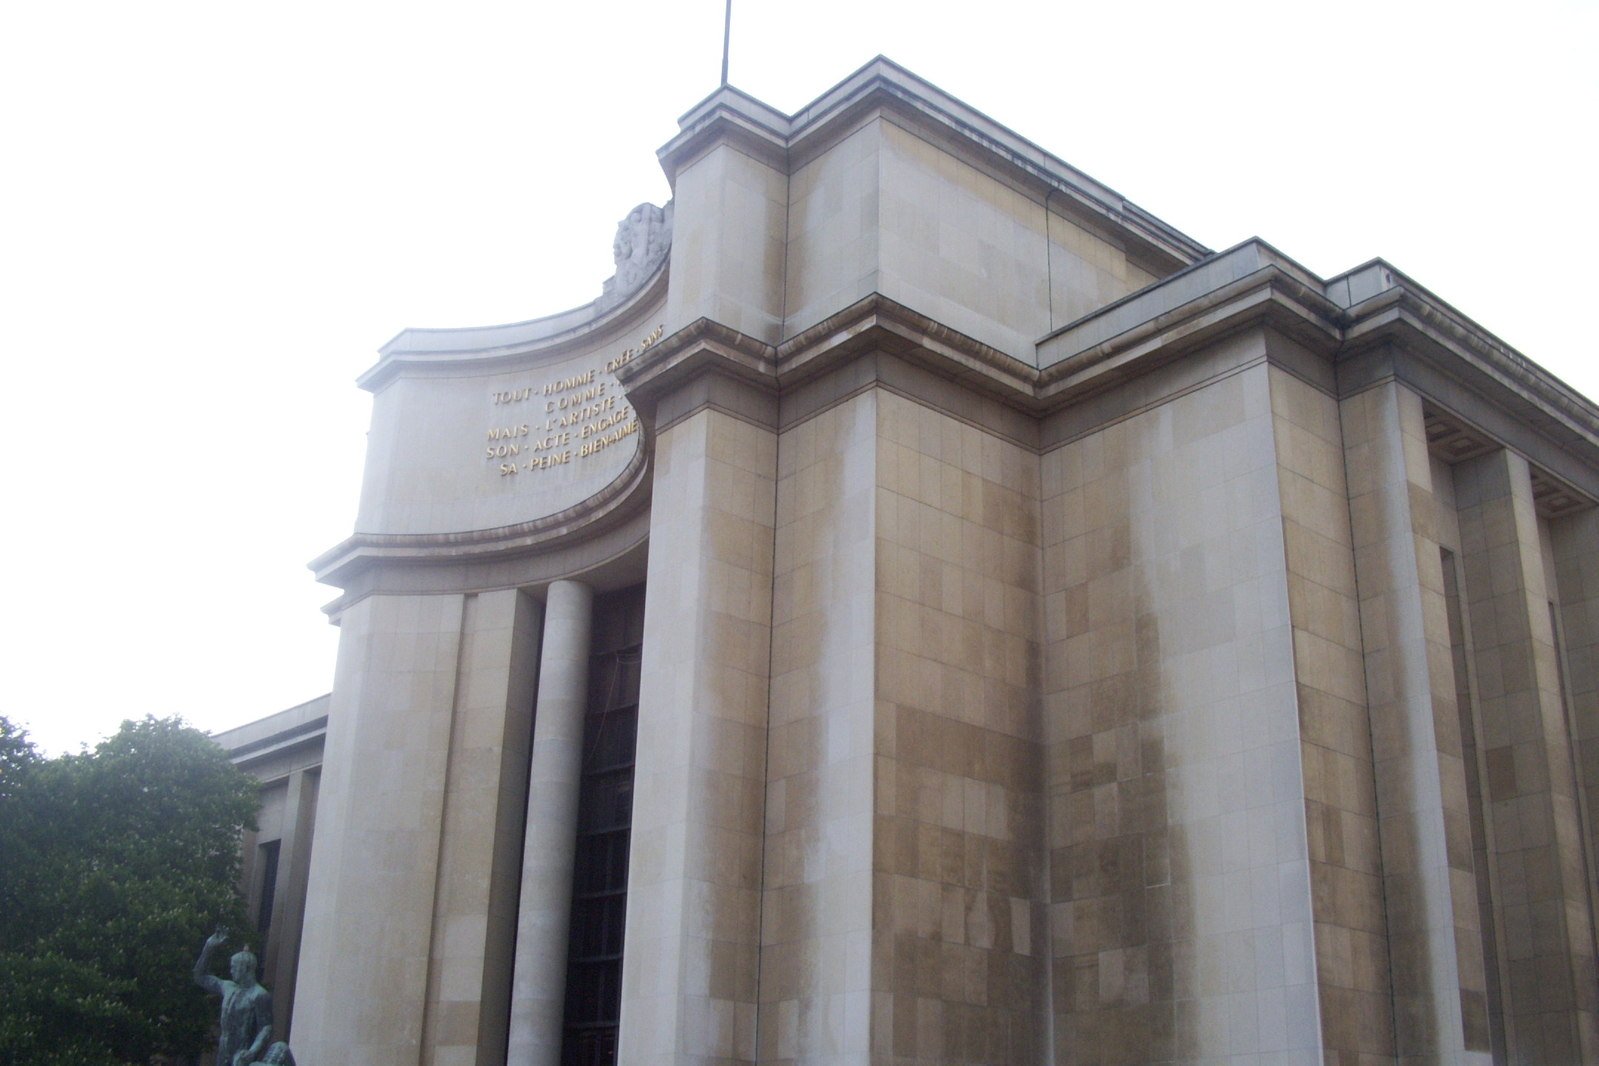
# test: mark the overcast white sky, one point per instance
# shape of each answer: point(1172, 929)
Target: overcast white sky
point(212, 214)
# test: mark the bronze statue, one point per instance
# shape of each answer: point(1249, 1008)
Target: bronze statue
point(246, 1007)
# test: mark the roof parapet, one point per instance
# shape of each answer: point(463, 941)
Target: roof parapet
point(786, 142)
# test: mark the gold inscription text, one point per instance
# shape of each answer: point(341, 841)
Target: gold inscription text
point(585, 406)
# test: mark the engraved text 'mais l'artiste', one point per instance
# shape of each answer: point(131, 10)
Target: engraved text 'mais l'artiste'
point(582, 414)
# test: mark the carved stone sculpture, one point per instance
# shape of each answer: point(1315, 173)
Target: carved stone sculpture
point(246, 1006)
point(642, 241)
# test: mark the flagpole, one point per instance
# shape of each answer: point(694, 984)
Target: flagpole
point(727, 33)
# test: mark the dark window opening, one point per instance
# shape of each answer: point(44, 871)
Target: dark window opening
point(1483, 1020)
point(268, 859)
point(605, 820)
point(1573, 743)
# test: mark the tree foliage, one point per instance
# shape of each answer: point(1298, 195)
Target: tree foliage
point(114, 866)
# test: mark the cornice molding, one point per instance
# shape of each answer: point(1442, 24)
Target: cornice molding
point(427, 352)
point(878, 323)
point(626, 495)
point(1248, 286)
point(614, 553)
point(702, 344)
point(1417, 319)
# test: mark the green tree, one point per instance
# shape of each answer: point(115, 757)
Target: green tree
point(114, 866)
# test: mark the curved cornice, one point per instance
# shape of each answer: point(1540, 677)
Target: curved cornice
point(614, 556)
point(625, 496)
point(493, 347)
point(1249, 284)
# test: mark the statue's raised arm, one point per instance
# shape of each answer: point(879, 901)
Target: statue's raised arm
point(202, 965)
point(246, 1024)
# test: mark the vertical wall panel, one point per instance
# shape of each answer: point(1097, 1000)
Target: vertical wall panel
point(1542, 898)
point(959, 951)
point(1181, 921)
point(693, 908)
point(816, 903)
point(1351, 931)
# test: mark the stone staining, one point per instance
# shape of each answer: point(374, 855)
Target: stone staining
point(1063, 643)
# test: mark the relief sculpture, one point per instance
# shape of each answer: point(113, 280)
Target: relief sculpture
point(642, 240)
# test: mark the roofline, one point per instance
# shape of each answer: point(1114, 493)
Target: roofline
point(760, 129)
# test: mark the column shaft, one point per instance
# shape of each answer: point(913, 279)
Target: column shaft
point(288, 909)
point(1434, 944)
point(1552, 1005)
point(361, 986)
point(689, 987)
point(1576, 544)
point(555, 769)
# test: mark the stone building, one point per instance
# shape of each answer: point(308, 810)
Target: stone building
point(284, 752)
point(930, 610)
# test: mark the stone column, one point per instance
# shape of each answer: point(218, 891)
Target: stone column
point(689, 985)
point(1576, 545)
point(404, 958)
point(1552, 1005)
point(1423, 815)
point(361, 986)
point(538, 989)
point(288, 901)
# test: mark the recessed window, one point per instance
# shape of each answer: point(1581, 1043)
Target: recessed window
point(605, 820)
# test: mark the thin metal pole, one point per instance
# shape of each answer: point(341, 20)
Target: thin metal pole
point(727, 33)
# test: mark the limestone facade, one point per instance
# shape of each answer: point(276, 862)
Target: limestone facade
point(284, 753)
point(1062, 643)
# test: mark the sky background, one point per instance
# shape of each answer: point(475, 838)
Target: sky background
point(212, 215)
